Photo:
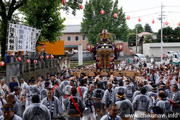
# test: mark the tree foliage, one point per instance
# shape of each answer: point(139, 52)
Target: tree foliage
point(42, 14)
point(94, 22)
point(131, 39)
point(147, 28)
point(7, 8)
point(45, 16)
point(139, 28)
point(167, 34)
point(148, 38)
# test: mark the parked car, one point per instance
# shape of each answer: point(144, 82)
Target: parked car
point(67, 52)
point(176, 58)
point(140, 57)
point(170, 54)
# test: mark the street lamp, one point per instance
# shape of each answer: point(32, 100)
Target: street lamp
point(136, 37)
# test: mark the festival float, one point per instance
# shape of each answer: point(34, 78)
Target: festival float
point(105, 53)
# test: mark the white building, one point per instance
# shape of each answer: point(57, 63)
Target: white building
point(150, 49)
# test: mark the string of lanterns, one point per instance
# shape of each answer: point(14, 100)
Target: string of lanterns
point(153, 21)
point(115, 14)
point(2, 63)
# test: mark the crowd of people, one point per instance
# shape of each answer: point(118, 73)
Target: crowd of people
point(11, 57)
point(154, 94)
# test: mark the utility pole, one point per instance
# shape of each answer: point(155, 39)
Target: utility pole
point(136, 38)
point(161, 31)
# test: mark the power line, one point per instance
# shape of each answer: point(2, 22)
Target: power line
point(172, 6)
point(172, 11)
point(142, 9)
point(151, 8)
point(145, 15)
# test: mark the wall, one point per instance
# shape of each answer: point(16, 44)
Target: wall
point(126, 49)
point(56, 49)
point(155, 48)
point(73, 42)
point(134, 49)
point(35, 74)
point(146, 50)
point(156, 51)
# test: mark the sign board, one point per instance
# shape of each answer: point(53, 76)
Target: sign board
point(22, 38)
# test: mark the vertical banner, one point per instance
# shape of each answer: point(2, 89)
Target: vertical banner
point(33, 38)
point(22, 38)
point(12, 38)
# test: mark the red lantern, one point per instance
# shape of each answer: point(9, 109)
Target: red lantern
point(63, 1)
point(139, 19)
point(88, 47)
point(35, 61)
point(102, 12)
point(41, 56)
point(111, 59)
point(98, 59)
point(19, 59)
point(115, 15)
point(179, 24)
point(2, 63)
point(27, 61)
point(52, 56)
point(81, 7)
point(120, 47)
point(128, 17)
point(47, 56)
point(166, 23)
point(152, 21)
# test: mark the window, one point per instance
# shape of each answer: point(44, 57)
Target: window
point(83, 38)
point(68, 38)
point(76, 38)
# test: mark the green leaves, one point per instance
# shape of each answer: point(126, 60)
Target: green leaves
point(147, 28)
point(46, 16)
point(94, 22)
point(131, 39)
point(148, 38)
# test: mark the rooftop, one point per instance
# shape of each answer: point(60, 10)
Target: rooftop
point(175, 44)
point(72, 29)
point(144, 34)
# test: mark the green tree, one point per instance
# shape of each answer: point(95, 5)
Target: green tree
point(7, 8)
point(45, 16)
point(148, 38)
point(139, 28)
point(176, 33)
point(147, 28)
point(131, 39)
point(94, 22)
point(37, 15)
point(167, 34)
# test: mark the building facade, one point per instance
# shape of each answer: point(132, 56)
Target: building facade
point(72, 37)
point(126, 50)
point(154, 49)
